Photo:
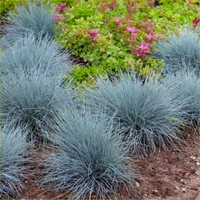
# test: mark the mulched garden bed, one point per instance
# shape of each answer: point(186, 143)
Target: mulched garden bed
point(172, 174)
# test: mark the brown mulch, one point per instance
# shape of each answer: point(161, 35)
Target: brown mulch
point(172, 174)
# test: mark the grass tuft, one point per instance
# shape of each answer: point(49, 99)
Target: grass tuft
point(145, 113)
point(180, 52)
point(14, 151)
point(34, 18)
point(31, 54)
point(32, 102)
point(89, 160)
point(185, 86)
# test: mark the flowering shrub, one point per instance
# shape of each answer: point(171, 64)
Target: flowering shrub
point(119, 35)
point(112, 5)
point(93, 34)
point(61, 7)
point(195, 22)
point(7, 5)
point(142, 50)
point(113, 35)
point(57, 16)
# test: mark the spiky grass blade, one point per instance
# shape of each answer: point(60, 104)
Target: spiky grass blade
point(32, 102)
point(14, 151)
point(89, 160)
point(31, 54)
point(147, 113)
point(34, 18)
point(186, 87)
point(180, 51)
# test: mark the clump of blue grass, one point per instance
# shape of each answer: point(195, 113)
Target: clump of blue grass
point(186, 87)
point(14, 153)
point(32, 101)
point(148, 115)
point(89, 160)
point(34, 18)
point(35, 54)
point(180, 51)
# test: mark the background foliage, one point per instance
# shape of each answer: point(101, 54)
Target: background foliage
point(115, 48)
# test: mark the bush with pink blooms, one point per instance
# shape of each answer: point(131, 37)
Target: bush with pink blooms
point(113, 35)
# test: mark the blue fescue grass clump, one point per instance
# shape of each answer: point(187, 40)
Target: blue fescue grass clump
point(148, 115)
point(31, 102)
point(186, 87)
point(180, 51)
point(89, 160)
point(33, 18)
point(35, 54)
point(14, 152)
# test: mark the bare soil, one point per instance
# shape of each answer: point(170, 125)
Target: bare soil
point(172, 174)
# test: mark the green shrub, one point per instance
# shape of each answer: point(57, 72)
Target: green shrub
point(115, 46)
point(8, 5)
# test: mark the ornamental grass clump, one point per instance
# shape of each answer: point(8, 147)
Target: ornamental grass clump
point(185, 86)
point(32, 101)
point(35, 18)
point(14, 152)
point(145, 113)
point(89, 161)
point(35, 54)
point(180, 51)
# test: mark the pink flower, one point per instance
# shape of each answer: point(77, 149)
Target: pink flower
point(150, 37)
point(134, 35)
point(57, 16)
point(93, 34)
point(112, 5)
point(133, 39)
point(151, 4)
point(118, 21)
point(147, 24)
point(131, 29)
point(195, 22)
point(61, 7)
point(142, 50)
point(149, 30)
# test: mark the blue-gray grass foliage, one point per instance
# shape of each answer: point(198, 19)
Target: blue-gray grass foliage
point(89, 160)
point(180, 51)
point(32, 101)
point(33, 18)
point(186, 87)
point(148, 115)
point(13, 156)
point(35, 54)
